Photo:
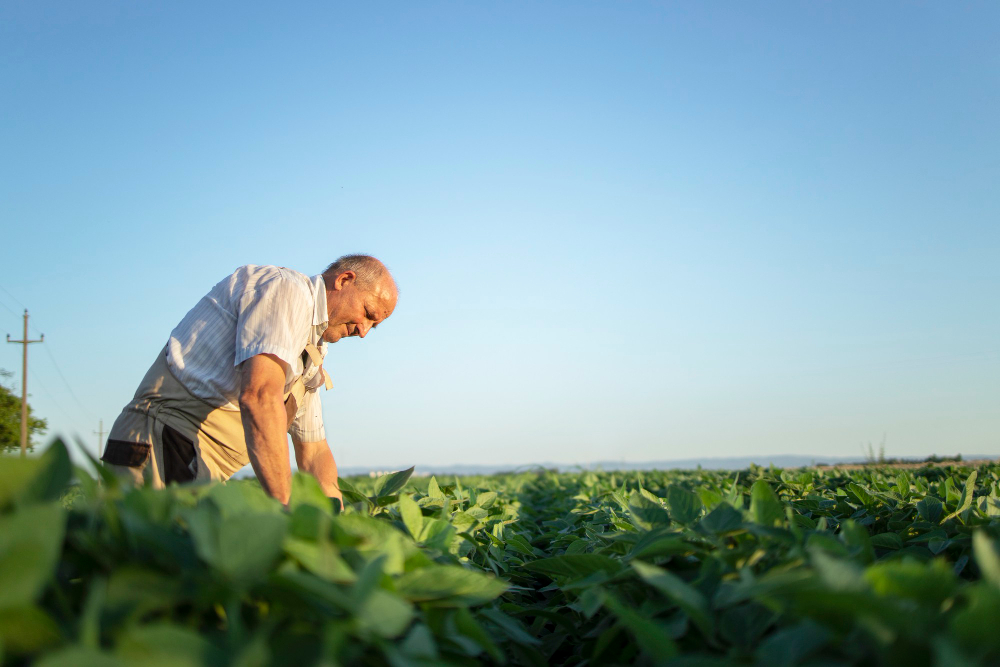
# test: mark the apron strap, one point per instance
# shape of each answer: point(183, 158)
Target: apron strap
point(313, 352)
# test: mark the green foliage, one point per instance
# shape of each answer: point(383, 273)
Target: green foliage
point(10, 419)
point(770, 567)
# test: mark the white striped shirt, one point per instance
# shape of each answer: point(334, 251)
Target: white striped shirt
point(255, 310)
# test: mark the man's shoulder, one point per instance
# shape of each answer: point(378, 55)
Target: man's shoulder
point(255, 277)
point(269, 271)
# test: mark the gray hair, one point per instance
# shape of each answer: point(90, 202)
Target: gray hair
point(368, 270)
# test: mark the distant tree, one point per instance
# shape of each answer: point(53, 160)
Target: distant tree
point(10, 419)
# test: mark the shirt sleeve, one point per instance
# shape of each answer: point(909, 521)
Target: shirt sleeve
point(308, 423)
point(274, 319)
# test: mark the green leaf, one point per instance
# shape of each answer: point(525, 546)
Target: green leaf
point(31, 540)
point(790, 646)
point(723, 519)
point(574, 566)
point(16, 475)
point(656, 543)
point(486, 500)
point(419, 643)
point(308, 522)
point(53, 476)
point(765, 508)
point(161, 643)
point(646, 514)
point(680, 593)
point(709, 497)
point(993, 506)
point(985, 552)
point(510, 627)
point(242, 547)
point(390, 484)
point(467, 625)
point(974, 625)
point(249, 545)
point(463, 521)
point(322, 559)
point(438, 534)
point(930, 509)
point(352, 494)
point(236, 498)
point(477, 513)
point(27, 481)
point(652, 637)
point(887, 541)
point(856, 538)
point(433, 490)
point(27, 629)
point(371, 537)
point(839, 574)
point(78, 656)
point(649, 496)
point(968, 494)
point(863, 495)
point(449, 585)
point(519, 544)
point(735, 494)
point(930, 583)
point(684, 505)
point(306, 490)
point(903, 484)
point(140, 590)
point(384, 614)
point(744, 625)
point(413, 518)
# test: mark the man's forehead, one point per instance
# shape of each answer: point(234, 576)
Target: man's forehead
point(384, 299)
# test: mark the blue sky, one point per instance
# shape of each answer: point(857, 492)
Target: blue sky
point(623, 230)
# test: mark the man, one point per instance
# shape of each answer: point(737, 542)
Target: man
point(241, 371)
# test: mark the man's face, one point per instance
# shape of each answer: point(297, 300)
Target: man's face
point(354, 311)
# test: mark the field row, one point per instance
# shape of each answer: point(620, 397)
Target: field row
point(763, 567)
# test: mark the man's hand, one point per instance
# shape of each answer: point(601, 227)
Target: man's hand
point(316, 459)
point(265, 425)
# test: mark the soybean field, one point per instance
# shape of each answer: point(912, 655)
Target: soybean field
point(685, 568)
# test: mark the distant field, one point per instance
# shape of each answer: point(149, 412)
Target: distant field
point(876, 566)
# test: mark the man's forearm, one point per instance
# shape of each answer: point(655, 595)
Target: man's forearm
point(264, 424)
point(316, 459)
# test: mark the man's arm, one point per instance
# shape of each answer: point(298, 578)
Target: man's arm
point(262, 409)
point(316, 459)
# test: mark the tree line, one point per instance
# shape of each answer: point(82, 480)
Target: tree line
point(10, 418)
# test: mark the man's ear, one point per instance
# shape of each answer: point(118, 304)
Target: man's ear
point(345, 278)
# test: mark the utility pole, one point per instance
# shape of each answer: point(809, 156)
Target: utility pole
point(24, 382)
point(100, 438)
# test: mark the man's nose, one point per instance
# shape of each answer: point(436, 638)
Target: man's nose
point(362, 330)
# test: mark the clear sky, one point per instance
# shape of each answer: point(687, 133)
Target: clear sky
point(623, 230)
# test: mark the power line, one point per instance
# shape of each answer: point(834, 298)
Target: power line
point(8, 309)
point(13, 297)
point(38, 380)
point(18, 301)
point(69, 388)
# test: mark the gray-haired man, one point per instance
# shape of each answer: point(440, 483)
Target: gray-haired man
point(242, 370)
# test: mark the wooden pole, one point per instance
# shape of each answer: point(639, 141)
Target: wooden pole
point(24, 382)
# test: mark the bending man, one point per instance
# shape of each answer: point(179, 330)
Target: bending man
point(242, 370)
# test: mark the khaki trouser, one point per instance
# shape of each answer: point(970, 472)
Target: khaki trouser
point(165, 434)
